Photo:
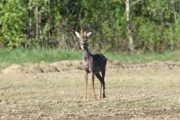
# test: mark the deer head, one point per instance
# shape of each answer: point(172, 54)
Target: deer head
point(83, 38)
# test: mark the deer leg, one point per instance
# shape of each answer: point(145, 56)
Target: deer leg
point(100, 79)
point(103, 82)
point(93, 86)
point(85, 90)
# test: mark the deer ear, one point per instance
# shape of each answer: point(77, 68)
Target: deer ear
point(77, 34)
point(89, 34)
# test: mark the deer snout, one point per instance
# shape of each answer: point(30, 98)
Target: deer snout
point(83, 45)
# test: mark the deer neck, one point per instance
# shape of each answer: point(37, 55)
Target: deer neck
point(86, 54)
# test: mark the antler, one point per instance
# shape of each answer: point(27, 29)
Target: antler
point(85, 34)
point(81, 32)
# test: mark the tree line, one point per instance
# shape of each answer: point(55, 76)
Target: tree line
point(117, 25)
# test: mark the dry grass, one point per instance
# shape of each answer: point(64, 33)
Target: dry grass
point(138, 93)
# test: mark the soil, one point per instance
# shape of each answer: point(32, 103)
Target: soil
point(55, 91)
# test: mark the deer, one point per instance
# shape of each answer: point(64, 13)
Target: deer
point(94, 64)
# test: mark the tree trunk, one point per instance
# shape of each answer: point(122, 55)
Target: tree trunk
point(37, 25)
point(172, 41)
point(30, 31)
point(40, 30)
point(131, 46)
point(49, 28)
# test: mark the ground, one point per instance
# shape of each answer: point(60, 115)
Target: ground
point(55, 91)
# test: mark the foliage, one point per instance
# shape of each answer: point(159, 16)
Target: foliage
point(46, 24)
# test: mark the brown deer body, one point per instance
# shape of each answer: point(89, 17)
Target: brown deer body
point(92, 64)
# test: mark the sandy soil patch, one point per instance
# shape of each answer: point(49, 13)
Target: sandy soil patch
point(55, 91)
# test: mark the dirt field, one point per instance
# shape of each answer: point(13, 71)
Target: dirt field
point(55, 91)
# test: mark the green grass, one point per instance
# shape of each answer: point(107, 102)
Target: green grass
point(144, 58)
point(19, 56)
